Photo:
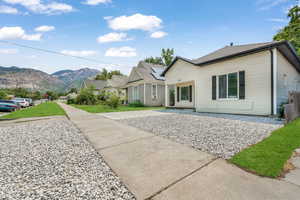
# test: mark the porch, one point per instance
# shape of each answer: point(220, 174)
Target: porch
point(180, 95)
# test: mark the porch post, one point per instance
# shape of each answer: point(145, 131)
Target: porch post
point(166, 95)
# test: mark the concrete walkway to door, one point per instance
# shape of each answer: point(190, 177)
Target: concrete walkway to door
point(156, 168)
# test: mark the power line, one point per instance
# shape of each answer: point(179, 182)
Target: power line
point(55, 52)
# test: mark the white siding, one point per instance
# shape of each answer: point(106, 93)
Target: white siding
point(257, 69)
point(288, 79)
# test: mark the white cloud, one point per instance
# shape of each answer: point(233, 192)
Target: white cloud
point(44, 28)
point(37, 6)
point(9, 51)
point(12, 33)
point(268, 4)
point(136, 21)
point(121, 52)
point(84, 53)
point(96, 2)
point(113, 37)
point(277, 20)
point(8, 10)
point(159, 34)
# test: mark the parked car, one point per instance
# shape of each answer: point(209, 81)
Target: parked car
point(22, 102)
point(8, 107)
point(29, 101)
point(18, 106)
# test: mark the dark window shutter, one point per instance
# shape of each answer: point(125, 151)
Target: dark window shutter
point(178, 94)
point(242, 84)
point(214, 88)
point(191, 93)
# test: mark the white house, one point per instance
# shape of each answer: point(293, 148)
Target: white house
point(251, 79)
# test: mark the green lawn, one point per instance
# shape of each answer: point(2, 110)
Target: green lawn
point(103, 108)
point(268, 157)
point(41, 110)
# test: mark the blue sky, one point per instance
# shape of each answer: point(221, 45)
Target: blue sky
point(119, 33)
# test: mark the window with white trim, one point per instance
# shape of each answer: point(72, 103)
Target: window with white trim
point(184, 93)
point(228, 86)
point(154, 91)
point(135, 93)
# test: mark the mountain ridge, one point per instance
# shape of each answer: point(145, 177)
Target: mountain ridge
point(63, 80)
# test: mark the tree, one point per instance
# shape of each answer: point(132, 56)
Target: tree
point(105, 75)
point(291, 32)
point(167, 56)
point(21, 92)
point(73, 90)
point(3, 95)
point(154, 60)
point(36, 95)
point(51, 95)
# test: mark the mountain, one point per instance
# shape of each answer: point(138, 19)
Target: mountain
point(15, 77)
point(74, 78)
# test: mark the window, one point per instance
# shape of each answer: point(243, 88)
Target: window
point(223, 87)
point(154, 91)
point(184, 93)
point(228, 86)
point(233, 85)
point(135, 93)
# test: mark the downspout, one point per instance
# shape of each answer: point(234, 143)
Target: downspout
point(273, 81)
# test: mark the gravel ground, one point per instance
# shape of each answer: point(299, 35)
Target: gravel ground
point(219, 136)
point(52, 160)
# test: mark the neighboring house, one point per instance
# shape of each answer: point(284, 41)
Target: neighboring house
point(145, 84)
point(114, 85)
point(249, 79)
point(97, 85)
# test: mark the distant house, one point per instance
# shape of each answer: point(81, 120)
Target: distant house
point(114, 85)
point(245, 79)
point(146, 85)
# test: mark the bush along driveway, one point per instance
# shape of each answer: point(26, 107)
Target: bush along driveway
point(268, 157)
point(41, 110)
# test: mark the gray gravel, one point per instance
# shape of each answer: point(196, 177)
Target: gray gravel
point(219, 136)
point(52, 160)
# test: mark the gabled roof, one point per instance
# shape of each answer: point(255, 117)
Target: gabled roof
point(147, 72)
point(117, 81)
point(234, 51)
point(97, 84)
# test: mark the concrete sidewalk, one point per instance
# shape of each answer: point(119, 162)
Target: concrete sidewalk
point(156, 168)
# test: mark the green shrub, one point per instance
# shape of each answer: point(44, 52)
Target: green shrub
point(86, 97)
point(3, 95)
point(281, 109)
point(113, 101)
point(71, 101)
point(136, 104)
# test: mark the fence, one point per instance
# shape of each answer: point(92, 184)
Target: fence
point(292, 109)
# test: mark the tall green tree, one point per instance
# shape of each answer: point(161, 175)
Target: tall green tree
point(154, 60)
point(105, 74)
point(291, 32)
point(167, 56)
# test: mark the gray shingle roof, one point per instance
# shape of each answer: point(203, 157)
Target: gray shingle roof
point(117, 81)
point(230, 50)
point(147, 72)
point(97, 84)
point(237, 50)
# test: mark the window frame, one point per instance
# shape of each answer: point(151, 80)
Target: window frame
point(135, 93)
point(227, 86)
point(156, 92)
point(188, 93)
